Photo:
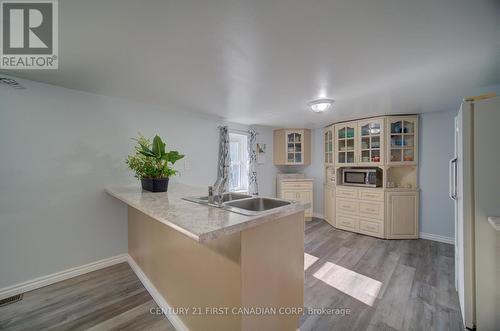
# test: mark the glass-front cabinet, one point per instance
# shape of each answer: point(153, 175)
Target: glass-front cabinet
point(328, 145)
point(402, 140)
point(294, 146)
point(345, 138)
point(370, 142)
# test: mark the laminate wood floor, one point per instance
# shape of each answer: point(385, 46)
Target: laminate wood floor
point(112, 298)
point(386, 284)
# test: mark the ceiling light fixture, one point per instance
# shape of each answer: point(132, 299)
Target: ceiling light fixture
point(321, 105)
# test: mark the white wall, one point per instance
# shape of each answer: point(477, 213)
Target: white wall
point(436, 149)
point(60, 148)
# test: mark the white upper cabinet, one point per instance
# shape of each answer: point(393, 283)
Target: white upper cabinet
point(328, 134)
point(345, 143)
point(370, 150)
point(402, 136)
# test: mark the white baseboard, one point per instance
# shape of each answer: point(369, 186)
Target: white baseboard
point(436, 237)
point(60, 276)
point(157, 297)
point(318, 215)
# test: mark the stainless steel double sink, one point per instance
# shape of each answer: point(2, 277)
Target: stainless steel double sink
point(242, 203)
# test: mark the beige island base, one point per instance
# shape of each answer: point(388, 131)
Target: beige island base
point(214, 269)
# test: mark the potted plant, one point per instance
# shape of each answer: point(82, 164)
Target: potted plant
point(152, 164)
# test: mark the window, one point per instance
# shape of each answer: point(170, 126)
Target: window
point(238, 170)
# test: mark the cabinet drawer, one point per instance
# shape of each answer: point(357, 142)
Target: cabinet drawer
point(347, 222)
point(347, 206)
point(296, 185)
point(371, 227)
point(347, 193)
point(371, 195)
point(371, 209)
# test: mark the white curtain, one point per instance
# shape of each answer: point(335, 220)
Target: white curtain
point(222, 183)
point(253, 188)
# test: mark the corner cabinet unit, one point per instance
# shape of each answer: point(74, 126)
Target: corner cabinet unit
point(390, 144)
point(292, 147)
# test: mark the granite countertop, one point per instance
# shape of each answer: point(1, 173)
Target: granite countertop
point(199, 222)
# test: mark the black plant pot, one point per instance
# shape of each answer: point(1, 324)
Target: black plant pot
point(155, 184)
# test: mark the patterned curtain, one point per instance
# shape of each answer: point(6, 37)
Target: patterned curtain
point(222, 183)
point(253, 188)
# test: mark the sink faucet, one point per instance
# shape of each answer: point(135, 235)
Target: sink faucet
point(216, 198)
point(210, 194)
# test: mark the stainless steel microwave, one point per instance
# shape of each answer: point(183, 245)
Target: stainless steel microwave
point(362, 177)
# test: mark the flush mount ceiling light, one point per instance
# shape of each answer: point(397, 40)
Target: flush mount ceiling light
point(321, 105)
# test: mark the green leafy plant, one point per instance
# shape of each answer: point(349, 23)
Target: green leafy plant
point(151, 160)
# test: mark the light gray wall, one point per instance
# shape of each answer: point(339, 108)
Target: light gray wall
point(266, 172)
point(436, 149)
point(60, 148)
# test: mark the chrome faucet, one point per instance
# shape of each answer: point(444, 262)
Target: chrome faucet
point(210, 194)
point(216, 198)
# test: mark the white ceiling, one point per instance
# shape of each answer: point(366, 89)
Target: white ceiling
point(260, 62)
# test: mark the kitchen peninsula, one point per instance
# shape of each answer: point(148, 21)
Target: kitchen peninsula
point(222, 267)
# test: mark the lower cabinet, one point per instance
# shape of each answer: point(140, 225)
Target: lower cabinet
point(402, 215)
point(391, 214)
point(299, 191)
point(329, 203)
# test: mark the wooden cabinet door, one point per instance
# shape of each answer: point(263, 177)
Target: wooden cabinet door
point(345, 143)
point(302, 196)
point(306, 197)
point(328, 145)
point(402, 215)
point(402, 140)
point(370, 151)
point(329, 196)
point(289, 195)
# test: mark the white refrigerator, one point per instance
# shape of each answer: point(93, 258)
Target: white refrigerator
point(475, 188)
